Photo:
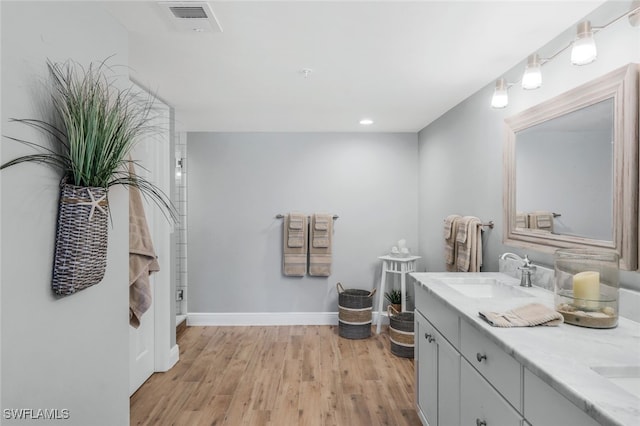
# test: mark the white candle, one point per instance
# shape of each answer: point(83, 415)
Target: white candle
point(586, 289)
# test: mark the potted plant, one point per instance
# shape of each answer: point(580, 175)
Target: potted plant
point(394, 297)
point(93, 128)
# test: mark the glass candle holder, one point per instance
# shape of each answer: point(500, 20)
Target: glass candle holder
point(586, 287)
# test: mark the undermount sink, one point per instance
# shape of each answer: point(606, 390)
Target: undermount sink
point(626, 377)
point(477, 287)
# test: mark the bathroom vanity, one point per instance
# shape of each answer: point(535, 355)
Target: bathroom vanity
point(470, 373)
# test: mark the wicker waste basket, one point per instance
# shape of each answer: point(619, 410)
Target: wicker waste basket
point(354, 312)
point(401, 332)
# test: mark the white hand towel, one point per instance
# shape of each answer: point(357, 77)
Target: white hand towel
point(321, 237)
point(469, 245)
point(142, 257)
point(294, 250)
point(529, 315)
point(450, 233)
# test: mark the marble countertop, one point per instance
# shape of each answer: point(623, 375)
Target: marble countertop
point(561, 356)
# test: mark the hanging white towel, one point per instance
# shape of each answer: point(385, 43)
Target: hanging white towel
point(321, 236)
point(450, 233)
point(469, 244)
point(142, 257)
point(294, 247)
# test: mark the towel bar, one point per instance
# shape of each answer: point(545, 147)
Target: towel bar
point(490, 224)
point(281, 216)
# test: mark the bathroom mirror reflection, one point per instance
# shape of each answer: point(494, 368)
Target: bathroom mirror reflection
point(564, 173)
point(571, 170)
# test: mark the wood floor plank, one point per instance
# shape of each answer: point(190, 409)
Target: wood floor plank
point(284, 376)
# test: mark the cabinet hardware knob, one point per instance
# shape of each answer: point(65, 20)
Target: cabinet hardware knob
point(428, 337)
point(480, 357)
point(480, 422)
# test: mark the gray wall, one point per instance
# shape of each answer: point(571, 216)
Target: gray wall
point(69, 353)
point(461, 152)
point(239, 182)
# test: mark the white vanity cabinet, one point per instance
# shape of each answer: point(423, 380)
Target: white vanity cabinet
point(438, 376)
point(464, 378)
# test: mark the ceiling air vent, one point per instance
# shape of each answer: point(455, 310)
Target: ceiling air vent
point(190, 16)
point(188, 12)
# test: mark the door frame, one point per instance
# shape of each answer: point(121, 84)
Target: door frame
point(165, 355)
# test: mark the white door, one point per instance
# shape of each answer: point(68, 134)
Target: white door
point(151, 153)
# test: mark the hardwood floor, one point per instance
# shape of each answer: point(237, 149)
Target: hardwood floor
point(284, 376)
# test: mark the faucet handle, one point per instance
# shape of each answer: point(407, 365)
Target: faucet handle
point(526, 263)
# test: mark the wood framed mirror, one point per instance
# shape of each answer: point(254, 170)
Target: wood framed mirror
point(571, 170)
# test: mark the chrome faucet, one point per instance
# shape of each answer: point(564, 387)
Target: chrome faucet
point(527, 268)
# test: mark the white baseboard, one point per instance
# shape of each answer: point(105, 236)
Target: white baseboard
point(167, 359)
point(174, 355)
point(268, 318)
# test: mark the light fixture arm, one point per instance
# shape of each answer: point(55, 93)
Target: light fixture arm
point(614, 20)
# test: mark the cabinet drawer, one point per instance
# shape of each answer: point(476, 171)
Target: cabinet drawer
point(499, 368)
point(442, 317)
point(543, 405)
point(481, 403)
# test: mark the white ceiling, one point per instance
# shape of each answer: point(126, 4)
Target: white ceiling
point(402, 64)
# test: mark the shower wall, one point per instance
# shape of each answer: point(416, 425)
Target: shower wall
point(180, 201)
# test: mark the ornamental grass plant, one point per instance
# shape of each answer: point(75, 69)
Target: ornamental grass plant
point(93, 129)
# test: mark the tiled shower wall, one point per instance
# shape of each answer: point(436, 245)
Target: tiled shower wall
point(181, 228)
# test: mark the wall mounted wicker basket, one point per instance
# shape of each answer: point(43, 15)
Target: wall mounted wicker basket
point(80, 257)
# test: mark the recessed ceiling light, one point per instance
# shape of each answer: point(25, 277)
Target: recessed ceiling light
point(366, 121)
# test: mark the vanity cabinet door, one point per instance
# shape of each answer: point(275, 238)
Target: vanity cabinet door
point(481, 404)
point(426, 354)
point(448, 383)
point(438, 376)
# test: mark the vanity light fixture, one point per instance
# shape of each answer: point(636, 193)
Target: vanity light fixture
point(532, 78)
point(500, 96)
point(583, 52)
point(584, 49)
point(366, 121)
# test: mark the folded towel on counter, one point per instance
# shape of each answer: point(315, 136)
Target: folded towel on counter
point(142, 257)
point(450, 233)
point(525, 316)
point(321, 236)
point(294, 247)
point(469, 244)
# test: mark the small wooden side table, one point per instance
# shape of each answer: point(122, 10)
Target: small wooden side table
point(395, 265)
